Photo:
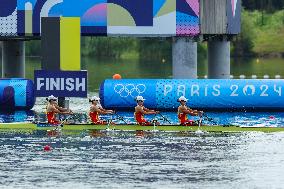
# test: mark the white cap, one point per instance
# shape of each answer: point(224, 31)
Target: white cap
point(51, 97)
point(94, 98)
point(140, 98)
point(182, 98)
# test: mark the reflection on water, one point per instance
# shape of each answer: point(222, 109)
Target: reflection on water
point(16, 116)
point(258, 67)
point(249, 160)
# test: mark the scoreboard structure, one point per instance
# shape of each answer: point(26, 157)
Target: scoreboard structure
point(133, 18)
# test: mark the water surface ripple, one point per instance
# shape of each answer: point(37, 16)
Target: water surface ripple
point(155, 160)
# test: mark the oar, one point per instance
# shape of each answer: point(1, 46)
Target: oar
point(66, 119)
point(165, 118)
point(109, 122)
point(120, 118)
point(154, 119)
point(200, 120)
point(79, 116)
point(36, 117)
point(210, 119)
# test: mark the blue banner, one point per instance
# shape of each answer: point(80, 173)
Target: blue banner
point(16, 93)
point(60, 83)
point(202, 93)
point(122, 93)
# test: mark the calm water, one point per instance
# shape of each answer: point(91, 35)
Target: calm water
point(124, 160)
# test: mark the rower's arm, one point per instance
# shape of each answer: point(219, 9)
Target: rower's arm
point(106, 111)
point(195, 112)
point(147, 111)
point(54, 109)
point(61, 109)
point(189, 111)
point(100, 110)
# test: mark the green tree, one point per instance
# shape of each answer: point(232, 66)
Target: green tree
point(107, 46)
point(263, 5)
point(243, 43)
point(33, 48)
point(155, 48)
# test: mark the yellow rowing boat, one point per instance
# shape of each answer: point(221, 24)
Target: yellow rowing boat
point(173, 128)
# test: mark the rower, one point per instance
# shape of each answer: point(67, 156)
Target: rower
point(183, 111)
point(96, 109)
point(140, 111)
point(52, 108)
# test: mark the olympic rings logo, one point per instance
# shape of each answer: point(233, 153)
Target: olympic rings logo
point(129, 90)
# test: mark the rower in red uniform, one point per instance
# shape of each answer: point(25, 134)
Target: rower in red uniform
point(140, 110)
point(183, 111)
point(52, 109)
point(96, 109)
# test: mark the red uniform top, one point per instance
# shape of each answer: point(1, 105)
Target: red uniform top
point(183, 119)
point(94, 117)
point(51, 118)
point(139, 117)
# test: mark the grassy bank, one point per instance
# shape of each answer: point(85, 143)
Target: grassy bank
point(269, 33)
point(262, 34)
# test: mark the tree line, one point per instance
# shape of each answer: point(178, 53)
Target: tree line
point(263, 5)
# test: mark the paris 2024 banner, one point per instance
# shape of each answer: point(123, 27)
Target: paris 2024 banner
point(202, 93)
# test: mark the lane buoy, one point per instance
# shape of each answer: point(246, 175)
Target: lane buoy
point(116, 76)
point(271, 117)
point(46, 148)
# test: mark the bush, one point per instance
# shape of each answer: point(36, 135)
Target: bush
point(107, 46)
point(33, 48)
point(243, 43)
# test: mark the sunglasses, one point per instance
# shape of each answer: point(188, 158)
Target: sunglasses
point(94, 100)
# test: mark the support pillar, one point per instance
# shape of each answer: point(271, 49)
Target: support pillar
point(13, 59)
point(184, 53)
point(219, 59)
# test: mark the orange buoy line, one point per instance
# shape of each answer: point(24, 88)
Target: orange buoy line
point(116, 76)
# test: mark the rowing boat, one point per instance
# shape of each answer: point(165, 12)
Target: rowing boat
point(173, 128)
